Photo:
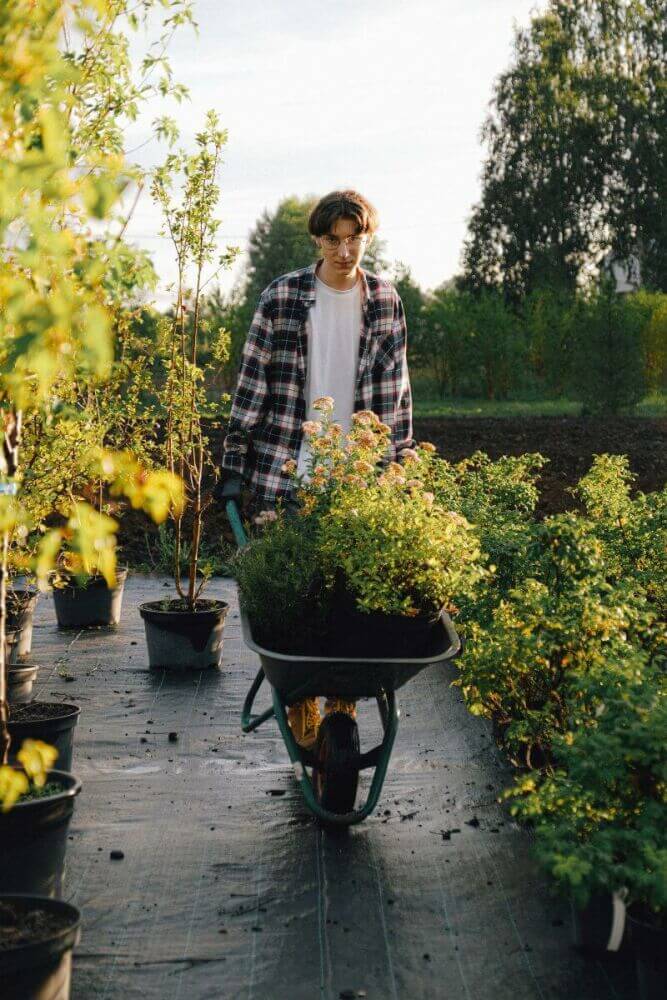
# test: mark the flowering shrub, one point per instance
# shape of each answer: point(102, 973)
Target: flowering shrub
point(363, 523)
point(378, 528)
point(633, 533)
point(499, 497)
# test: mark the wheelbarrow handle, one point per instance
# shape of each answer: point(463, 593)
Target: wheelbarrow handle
point(234, 518)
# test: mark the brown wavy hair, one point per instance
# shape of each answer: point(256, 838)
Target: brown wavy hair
point(343, 205)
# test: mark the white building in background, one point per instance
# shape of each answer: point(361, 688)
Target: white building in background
point(625, 270)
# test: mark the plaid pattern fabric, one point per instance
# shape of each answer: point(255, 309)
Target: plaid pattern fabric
point(269, 405)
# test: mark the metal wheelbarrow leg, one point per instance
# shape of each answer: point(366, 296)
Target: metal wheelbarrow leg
point(378, 757)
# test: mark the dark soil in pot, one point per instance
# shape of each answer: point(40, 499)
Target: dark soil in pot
point(20, 680)
point(91, 605)
point(33, 839)
point(648, 934)
point(37, 936)
point(180, 639)
point(52, 722)
point(374, 634)
point(354, 633)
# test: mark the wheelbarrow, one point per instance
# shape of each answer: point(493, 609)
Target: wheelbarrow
point(330, 793)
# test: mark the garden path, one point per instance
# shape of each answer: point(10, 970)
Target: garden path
point(228, 889)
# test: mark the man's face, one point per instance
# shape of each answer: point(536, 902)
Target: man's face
point(343, 247)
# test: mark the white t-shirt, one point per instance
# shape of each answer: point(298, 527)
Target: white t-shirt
point(333, 328)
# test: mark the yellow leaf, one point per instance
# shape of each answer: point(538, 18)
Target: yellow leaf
point(13, 784)
point(37, 759)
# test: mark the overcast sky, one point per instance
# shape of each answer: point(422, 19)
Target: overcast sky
point(387, 96)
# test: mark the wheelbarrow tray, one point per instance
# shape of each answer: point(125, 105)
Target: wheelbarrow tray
point(296, 677)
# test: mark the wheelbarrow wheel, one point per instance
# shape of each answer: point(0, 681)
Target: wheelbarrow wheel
point(335, 779)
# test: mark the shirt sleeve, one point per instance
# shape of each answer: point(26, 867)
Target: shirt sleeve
point(251, 395)
point(399, 389)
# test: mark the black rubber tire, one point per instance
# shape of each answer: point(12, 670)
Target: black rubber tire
point(337, 741)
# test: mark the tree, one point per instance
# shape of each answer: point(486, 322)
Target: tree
point(55, 326)
point(546, 314)
point(608, 370)
point(190, 220)
point(442, 344)
point(472, 345)
point(412, 297)
point(576, 150)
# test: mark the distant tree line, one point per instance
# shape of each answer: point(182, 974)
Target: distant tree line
point(576, 170)
point(605, 349)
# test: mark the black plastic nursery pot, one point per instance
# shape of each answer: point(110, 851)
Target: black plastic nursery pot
point(20, 680)
point(37, 936)
point(600, 928)
point(649, 943)
point(20, 615)
point(33, 839)
point(52, 722)
point(184, 640)
point(376, 634)
point(90, 605)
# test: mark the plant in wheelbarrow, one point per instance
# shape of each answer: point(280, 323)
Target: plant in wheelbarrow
point(333, 591)
point(186, 632)
point(369, 562)
point(392, 558)
point(599, 818)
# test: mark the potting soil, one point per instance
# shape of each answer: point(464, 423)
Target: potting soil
point(19, 925)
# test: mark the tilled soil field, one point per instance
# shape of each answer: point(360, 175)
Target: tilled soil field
point(568, 442)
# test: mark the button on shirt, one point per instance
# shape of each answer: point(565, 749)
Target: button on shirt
point(333, 328)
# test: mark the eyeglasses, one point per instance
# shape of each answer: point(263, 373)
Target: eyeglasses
point(351, 242)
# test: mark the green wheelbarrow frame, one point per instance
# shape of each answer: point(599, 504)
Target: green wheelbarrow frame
point(293, 678)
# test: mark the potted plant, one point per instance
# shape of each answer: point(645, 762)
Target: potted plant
point(62, 173)
point(37, 802)
point(21, 603)
point(369, 561)
point(599, 816)
point(37, 936)
point(37, 932)
point(185, 632)
point(20, 680)
point(90, 603)
point(51, 722)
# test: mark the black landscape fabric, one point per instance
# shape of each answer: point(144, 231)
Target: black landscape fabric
point(201, 875)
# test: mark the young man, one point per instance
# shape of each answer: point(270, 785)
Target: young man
point(330, 329)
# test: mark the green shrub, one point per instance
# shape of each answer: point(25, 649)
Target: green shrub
point(633, 532)
point(607, 369)
point(281, 589)
point(563, 622)
point(599, 819)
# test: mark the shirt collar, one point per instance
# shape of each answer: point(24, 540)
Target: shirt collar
point(308, 287)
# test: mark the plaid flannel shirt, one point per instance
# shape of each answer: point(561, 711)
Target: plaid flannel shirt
point(269, 404)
